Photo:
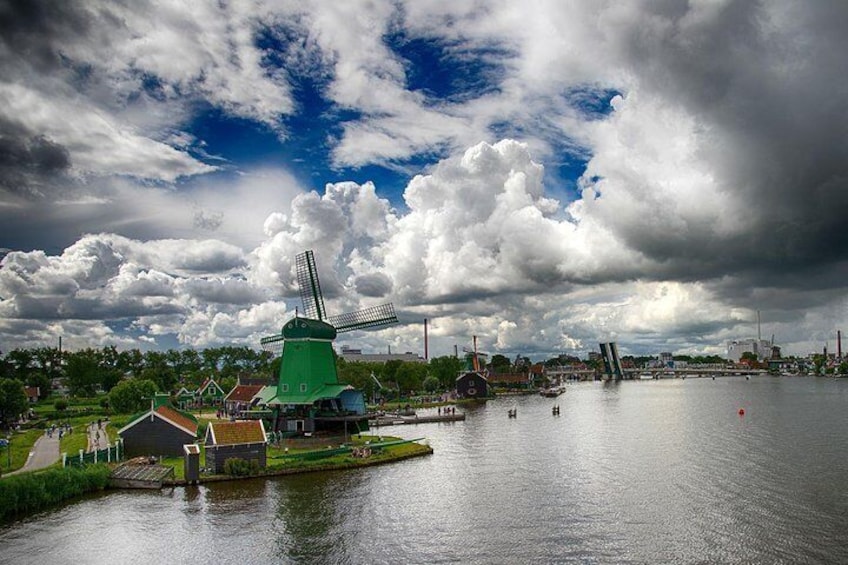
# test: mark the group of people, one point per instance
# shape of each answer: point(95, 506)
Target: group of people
point(448, 410)
point(62, 430)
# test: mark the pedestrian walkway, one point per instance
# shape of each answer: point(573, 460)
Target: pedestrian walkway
point(44, 453)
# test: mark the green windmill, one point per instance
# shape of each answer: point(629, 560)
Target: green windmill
point(308, 396)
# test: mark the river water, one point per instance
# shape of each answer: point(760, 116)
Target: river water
point(634, 472)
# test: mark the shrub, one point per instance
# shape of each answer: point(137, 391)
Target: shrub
point(60, 405)
point(240, 467)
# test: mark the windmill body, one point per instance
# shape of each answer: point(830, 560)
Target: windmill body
point(308, 396)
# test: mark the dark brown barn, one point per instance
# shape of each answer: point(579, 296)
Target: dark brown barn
point(162, 430)
point(244, 439)
point(472, 385)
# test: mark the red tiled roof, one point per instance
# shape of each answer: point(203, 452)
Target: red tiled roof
point(243, 393)
point(177, 417)
point(232, 433)
point(32, 391)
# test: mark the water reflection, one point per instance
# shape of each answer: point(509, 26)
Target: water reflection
point(636, 472)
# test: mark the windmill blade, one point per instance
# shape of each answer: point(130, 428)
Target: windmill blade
point(310, 287)
point(272, 343)
point(372, 317)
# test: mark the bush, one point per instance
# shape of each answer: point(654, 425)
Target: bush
point(60, 405)
point(240, 467)
point(31, 492)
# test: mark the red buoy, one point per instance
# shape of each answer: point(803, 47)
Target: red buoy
point(741, 411)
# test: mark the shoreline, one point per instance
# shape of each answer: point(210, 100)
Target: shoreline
point(281, 472)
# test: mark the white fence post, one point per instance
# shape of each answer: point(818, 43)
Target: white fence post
point(64, 460)
point(81, 461)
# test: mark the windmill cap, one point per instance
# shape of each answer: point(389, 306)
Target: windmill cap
point(303, 328)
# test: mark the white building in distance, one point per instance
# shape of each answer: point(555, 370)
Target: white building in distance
point(356, 356)
point(759, 347)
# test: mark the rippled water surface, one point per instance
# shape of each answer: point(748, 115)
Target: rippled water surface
point(635, 472)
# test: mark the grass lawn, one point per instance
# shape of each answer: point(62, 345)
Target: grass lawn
point(22, 443)
point(277, 462)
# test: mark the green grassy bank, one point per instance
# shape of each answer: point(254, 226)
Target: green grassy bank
point(32, 492)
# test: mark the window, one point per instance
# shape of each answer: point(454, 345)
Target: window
point(472, 391)
point(285, 387)
point(302, 387)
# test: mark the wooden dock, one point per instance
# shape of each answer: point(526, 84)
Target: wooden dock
point(398, 420)
point(131, 475)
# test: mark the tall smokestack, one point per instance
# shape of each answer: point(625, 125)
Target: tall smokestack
point(426, 345)
point(839, 344)
point(759, 335)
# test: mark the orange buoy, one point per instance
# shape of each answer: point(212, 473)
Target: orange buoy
point(741, 411)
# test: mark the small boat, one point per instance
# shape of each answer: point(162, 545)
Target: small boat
point(646, 377)
point(552, 392)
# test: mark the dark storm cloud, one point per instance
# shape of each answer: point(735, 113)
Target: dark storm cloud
point(29, 164)
point(223, 291)
point(373, 285)
point(33, 29)
point(768, 83)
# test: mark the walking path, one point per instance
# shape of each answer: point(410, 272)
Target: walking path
point(44, 453)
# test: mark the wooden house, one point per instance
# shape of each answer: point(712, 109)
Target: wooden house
point(510, 380)
point(32, 393)
point(210, 393)
point(241, 397)
point(162, 430)
point(242, 439)
point(185, 398)
point(472, 384)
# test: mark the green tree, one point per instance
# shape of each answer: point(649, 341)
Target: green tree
point(40, 380)
point(431, 384)
point(131, 396)
point(13, 401)
point(22, 362)
point(410, 376)
point(82, 372)
point(501, 363)
point(446, 369)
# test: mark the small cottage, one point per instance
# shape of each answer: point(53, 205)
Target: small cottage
point(32, 393)
point(241, 397)
point(161, 431)
point(472, 384)
point(242, 439)
point(185, 398)
point(210, 393)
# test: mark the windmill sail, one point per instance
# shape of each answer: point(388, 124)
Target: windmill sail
point(310, 287)
point(372, 317)
point(313, 306)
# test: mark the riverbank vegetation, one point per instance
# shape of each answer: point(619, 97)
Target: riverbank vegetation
point(32, 492)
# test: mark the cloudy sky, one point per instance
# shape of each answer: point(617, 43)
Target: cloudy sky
point(545, 175)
